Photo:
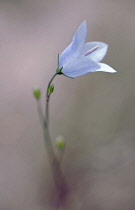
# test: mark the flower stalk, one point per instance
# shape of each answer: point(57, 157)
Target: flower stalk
point(58, 176)
point(48, 94)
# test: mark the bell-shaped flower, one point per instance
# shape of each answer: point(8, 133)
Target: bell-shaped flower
point(82, 57)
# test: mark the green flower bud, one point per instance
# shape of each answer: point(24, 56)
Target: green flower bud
point(37, 93)
point(51, 89)
point(60, 143)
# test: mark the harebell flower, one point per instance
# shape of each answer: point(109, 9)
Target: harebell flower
point(82, 57)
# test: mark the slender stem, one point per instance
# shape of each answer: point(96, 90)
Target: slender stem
point(58, 175)
point(47, 101)
point(61, 154)
point(48, 142)
point(40, 112)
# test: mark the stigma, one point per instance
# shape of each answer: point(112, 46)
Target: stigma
point(91, 50)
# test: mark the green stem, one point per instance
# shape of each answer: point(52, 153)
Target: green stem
point(47, 138)
point(47, 101)
point(40, 112)
point(58, 175)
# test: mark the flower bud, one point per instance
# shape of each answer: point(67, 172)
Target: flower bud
point(60, 143)
point(37, 93)
point(51, 89)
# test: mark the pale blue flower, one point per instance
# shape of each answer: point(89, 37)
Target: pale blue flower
point(82, 57)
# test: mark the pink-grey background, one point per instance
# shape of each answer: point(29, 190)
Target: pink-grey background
point(95, 113)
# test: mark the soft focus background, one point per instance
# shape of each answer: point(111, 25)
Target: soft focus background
point(95, 113)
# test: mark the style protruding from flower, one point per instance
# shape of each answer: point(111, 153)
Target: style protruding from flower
point(82, 57)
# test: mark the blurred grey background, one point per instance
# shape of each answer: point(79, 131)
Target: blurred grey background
point(95, 113)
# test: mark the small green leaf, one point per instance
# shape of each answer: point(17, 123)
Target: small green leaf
point(51, 89)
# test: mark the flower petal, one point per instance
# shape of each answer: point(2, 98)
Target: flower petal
point(80, 66)
point(98, 54)
point(104, 67)
point(73, 49)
